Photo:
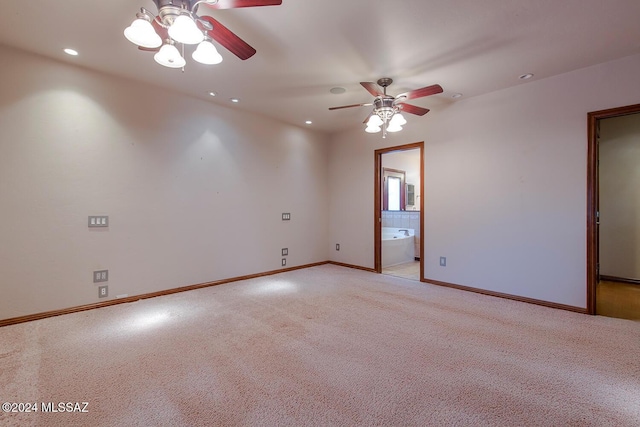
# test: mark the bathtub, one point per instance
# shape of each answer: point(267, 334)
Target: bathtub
point(397, 247)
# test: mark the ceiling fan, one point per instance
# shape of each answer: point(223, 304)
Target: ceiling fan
point(178, 21)
point(386, 115)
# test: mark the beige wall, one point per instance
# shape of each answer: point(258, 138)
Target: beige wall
point(505, 184)
point(194, 191)
point(620, 197)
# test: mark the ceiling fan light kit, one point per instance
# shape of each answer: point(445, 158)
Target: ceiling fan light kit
point(177, 21)
point(396, 123)
point(206, 53)
point(185, 30)
point(386, 115)
point(169, 56)
point(141, 32)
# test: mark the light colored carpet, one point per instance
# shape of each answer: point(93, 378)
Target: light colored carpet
point(325, 346)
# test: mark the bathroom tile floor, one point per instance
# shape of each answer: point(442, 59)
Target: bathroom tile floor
point(410, 270)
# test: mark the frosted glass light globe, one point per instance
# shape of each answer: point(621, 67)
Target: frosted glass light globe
point(185, 30)
point(169, 57)
point(141, 32)
point(206, 53)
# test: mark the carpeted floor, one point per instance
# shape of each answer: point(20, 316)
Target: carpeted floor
point(324, 346)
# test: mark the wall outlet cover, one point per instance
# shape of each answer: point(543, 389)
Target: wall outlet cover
point(103, 291)
point(443, 261)
point(285, 251)
point(286, 216)
point(337, 246)
point(284, 262)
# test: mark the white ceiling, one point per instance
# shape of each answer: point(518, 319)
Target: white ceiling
point(306, 47)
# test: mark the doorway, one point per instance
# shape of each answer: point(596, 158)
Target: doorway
point(613, 246)
point(399, 210)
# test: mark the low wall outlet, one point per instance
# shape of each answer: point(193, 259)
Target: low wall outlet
point(103, 291)
point(337, 246)
point(443, 261)
point(286, 216)
point(99, 221)
point(284, 262)
point(100, 276)
point(285, 251)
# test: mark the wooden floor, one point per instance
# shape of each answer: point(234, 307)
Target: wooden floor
point(410, 270)
point(615, 299)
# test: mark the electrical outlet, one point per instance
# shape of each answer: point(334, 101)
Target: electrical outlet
point(99, 221)
point(443, 261)
point(285, 251)
point(103, 291)
point(337, 246)
point(286, 216)
point(100, 276)
point(284, 262)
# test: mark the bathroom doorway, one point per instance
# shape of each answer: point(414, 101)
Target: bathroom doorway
point(399, 207)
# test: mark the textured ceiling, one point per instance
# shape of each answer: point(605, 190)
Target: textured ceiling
point(305, 47)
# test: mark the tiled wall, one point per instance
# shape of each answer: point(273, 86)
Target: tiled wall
point(404, 219)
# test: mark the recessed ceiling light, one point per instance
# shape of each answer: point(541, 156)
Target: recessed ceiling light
point(526, 76)
point(212, 93)
point(71, 52)
point(309, 122)
point(456, 95)
point(337, 90)
point(236, 100)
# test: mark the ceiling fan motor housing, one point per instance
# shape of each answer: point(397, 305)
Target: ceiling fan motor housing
point(183, 4)
point(384, 107)
point(169, 10)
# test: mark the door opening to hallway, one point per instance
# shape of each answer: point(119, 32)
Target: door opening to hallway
point(614, 213)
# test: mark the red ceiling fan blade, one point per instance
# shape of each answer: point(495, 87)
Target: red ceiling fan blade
point(419, 93)
point(234, 4)
point(413, 109)
point(229, 40)
point(349, 106)
point(149, 49)
point(372, 88)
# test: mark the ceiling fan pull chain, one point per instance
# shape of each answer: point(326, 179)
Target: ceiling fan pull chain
point(182, 56)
